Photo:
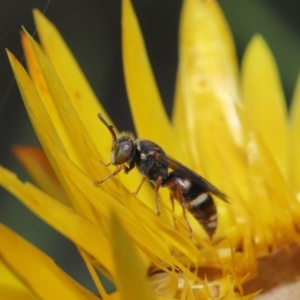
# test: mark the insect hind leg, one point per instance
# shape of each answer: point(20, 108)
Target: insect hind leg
point(156, 189)
point(140, 185)
point(173, 208)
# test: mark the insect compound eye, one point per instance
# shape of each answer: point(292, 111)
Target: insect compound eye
point(123, 151)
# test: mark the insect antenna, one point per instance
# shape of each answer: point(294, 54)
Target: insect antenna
point(110, 128)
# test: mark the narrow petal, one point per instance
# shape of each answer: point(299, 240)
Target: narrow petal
point(73, 80)
point(34, 106)
point(294, 142)
point(45, 279)
point(31, 98)
point(130, 272)
point(93, 273)
point(70, 122)
point(45, 99)
point(264, 99)
point(37, 165)
point(147, 108)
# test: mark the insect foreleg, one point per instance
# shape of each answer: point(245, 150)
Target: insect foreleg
point(105, 164)
point(118, 170)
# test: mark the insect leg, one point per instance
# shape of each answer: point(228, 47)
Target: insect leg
point(105, 164)
point(172, 202)
point(181, 201)
point(156, 189)
point(139, 187)
point(116, 171)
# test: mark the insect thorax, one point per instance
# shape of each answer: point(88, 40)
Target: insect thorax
point(147, 164)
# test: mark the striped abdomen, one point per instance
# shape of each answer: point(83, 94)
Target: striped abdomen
point(204, 210)
point(196, 199)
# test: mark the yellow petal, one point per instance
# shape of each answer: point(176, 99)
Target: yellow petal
point(75, 138)
point(130, 273)
point(69, 223)
point(206, 79)
point(206, 45)
point(271, 225)
point(89, 237)
point(40, 119)
point(31, 99)
point(35, 107)
point(79, 144)
point(48, 134)
point(146, 106)
point(35, 268)
point(294, 141)
point(39, 168)
point(264, 99)
point(11, 287)
point(45, 100)
point(132, 214)
point(80, 94)
point(72, 134)
point(181, 126)
point(93, 273)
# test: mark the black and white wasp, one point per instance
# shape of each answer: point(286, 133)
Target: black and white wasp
point(192, 191)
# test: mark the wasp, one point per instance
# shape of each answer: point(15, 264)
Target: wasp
point(191, 190)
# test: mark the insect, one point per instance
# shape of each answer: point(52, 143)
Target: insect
point(192, 191)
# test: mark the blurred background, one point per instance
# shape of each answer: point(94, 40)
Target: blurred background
point(92, 31)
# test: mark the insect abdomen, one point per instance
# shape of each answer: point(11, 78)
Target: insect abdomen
point(204, 210)
point(196, 200)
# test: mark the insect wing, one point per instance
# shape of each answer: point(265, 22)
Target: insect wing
point(186, 172)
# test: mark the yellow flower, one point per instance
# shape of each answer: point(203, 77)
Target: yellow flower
point(222, 129)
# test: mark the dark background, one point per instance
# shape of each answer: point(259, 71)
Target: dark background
point(91, 28)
